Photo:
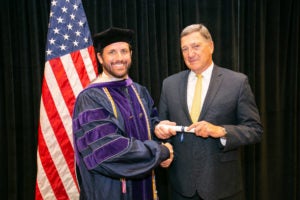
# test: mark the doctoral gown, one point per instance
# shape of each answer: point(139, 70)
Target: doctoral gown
point(113, 124)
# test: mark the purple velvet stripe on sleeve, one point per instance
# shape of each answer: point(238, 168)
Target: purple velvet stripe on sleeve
point(94, 135)
point(92, 115)
point(105, 152)
point(76, 125)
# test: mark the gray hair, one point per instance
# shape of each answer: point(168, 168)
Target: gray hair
point(204, 32)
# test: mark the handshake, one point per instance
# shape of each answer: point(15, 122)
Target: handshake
point(165, 130)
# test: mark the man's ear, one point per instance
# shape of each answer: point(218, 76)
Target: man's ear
point(100, 58)
point(212, 47)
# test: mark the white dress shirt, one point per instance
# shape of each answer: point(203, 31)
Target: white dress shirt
point(192, 79)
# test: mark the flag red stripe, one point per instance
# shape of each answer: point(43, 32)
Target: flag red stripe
point(49, 168)
point(58, 129)
point(38, 195)
point(79, 66)
point(63, 83)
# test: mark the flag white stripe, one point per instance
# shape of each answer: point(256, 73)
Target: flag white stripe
point(59, 101)
point(43, 182)
point(88, 64)
point(56, 152)
point(72, 75)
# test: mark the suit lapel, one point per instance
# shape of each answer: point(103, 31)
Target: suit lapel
point(183, 93)
point(215, 82)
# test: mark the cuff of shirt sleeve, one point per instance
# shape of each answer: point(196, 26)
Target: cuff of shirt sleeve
point(223, 139)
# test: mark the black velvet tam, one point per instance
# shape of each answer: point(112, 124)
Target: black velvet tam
point(112, 35)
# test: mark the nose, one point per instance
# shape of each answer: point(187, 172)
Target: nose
point(190, 52)
point(118, 55)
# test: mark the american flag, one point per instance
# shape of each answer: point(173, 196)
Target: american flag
point(70, 65)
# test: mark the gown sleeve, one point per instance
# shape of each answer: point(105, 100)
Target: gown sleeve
point(101, 144)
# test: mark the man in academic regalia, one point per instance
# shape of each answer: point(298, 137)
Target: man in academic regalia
point(113, 124)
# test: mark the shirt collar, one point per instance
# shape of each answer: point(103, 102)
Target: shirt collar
point(207, 73)
point(105, 78)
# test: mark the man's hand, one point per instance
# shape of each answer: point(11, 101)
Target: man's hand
point(162, 132)
point(206, 129)
point(167, 163)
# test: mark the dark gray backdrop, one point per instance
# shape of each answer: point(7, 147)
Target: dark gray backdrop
point(257, 37)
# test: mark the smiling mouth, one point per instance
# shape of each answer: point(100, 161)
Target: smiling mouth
point(192, 61)
point(119, 65)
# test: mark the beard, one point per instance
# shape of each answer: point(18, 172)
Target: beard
point(110, 69)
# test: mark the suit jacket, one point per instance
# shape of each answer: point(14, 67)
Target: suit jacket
point(204, 164)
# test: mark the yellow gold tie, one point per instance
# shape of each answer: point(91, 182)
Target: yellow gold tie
point(196, 105)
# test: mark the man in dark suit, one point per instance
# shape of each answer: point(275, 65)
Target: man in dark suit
point(207, 163)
